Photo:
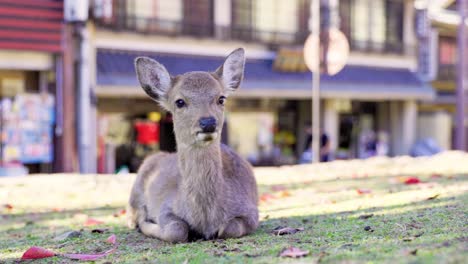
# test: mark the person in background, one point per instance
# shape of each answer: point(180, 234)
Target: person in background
point(324, 146)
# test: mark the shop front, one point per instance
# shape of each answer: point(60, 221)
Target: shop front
point(28, 56)
point(365, 111)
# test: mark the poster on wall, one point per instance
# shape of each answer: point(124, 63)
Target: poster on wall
point(27, 125)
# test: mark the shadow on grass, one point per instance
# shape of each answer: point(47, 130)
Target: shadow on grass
point(433, 233)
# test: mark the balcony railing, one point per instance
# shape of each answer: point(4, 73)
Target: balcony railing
point(153, 25)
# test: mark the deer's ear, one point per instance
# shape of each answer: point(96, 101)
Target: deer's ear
point(232, 70)
point(153, 78)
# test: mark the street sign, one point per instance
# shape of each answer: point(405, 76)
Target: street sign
point(334, 51)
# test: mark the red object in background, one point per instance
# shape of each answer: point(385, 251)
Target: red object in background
point(147, 132)
point(412, 180)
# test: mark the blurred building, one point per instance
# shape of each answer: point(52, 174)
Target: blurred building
point(437, 117)
point(33, 82)
point(377, 92)
point(380, 103)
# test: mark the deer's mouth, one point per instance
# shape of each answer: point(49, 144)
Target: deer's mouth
point(206, 137)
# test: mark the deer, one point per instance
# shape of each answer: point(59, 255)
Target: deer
point(205, 190)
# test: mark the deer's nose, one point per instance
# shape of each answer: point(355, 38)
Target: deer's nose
point(207, 124)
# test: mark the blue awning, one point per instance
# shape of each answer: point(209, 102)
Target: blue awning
point(115, 71)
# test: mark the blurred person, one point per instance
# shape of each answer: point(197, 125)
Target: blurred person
point(307, 154)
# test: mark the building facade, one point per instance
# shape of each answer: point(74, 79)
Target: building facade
point(36, 133)
point(376, 96)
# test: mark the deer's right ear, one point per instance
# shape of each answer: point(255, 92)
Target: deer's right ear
point(153, 78)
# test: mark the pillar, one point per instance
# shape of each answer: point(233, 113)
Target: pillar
point(408, 124)
point(331, 123)
point(222, 18)
point(395, 129)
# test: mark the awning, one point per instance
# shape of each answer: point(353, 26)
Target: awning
point(116, 77)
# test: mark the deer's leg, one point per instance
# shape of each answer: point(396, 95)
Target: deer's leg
point(236, 227)
point(169, 227)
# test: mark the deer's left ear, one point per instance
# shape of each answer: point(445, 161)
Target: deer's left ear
point(232, 70)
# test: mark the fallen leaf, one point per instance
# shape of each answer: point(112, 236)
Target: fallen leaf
point(436, 176)
point(120, 213)
point(414, 252)
point(433, 197)
point(99, 230)
point(8, 207)
point(363, 191)
point(112, 239)
point(37, 253)
point(293, 252)
point(284, 194)
point(89, 256)
point(55, 209)
point(92, 221)
point(412, 180)
point(280, 230)
point(266, 197)
point(366, 216)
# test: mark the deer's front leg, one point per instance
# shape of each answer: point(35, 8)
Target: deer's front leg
point(236, 227)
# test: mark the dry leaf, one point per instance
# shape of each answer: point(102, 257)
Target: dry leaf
point(433, 197)
point(280, 230)
point(363, 191)
point(37, 253)
point(92, 221)
point(293, 252)
point(366, 216)
point(412, 180)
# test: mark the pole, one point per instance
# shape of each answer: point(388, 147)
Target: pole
point(460, 135)
point(316, 84)
point(86, 140)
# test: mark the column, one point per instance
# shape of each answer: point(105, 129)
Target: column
point(331, 123)
point(222, 18)
point(408, 123)
point(395, 129)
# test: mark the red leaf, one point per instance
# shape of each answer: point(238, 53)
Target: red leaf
point(119, 213)
point(8, 207)
point(37, 253)
point(92, 221)
point(111, 239)
point(412, 180)
point(266, 197)
point(89, 256)
point(363, 191)
point(294, 252)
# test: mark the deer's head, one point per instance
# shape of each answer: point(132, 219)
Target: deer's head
point(195, 99)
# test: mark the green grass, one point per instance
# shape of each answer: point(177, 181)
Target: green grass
point(406, 226)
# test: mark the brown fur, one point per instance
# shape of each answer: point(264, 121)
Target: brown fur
point(206, 188)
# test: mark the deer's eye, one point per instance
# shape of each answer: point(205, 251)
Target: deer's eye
point(180, 103)
point(222, 100)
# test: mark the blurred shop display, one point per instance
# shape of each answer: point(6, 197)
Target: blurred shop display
point(425, 147)
point(124, 141)
point(26, 125)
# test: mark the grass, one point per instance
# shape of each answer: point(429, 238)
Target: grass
point(420, 223)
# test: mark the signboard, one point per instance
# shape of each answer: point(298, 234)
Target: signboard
point(27, 124)
point(334, 51)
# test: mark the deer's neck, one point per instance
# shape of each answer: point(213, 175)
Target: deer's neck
point(201, 171)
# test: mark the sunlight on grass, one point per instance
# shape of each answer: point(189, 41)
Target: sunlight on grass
point(327, 200)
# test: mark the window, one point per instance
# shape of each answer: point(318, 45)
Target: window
point(198, 17)
point(447, 58)
point(271, 21)
point(375, 25)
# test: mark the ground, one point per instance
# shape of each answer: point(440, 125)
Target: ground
point(352, 212)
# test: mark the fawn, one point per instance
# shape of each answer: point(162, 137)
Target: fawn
point(205, 189)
